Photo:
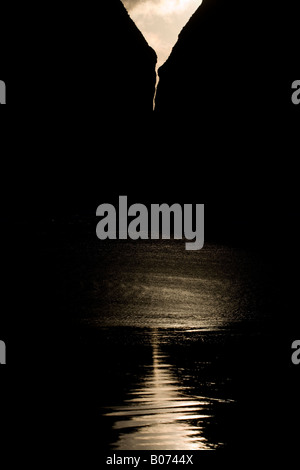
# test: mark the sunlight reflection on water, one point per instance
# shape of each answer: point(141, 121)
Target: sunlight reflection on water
point(159, 414)
point(187, 303)
point(163, 285)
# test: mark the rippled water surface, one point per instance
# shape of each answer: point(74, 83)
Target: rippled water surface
point(162, 413)
point(160, 284)
point(165, 327)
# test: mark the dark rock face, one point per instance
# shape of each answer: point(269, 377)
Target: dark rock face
point(233, 60)
point(79, 57)
point(87, 73)
point(111, 61)
point(127, 63)
point(224, 109)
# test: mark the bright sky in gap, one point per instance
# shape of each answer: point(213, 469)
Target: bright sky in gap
point(161, 21)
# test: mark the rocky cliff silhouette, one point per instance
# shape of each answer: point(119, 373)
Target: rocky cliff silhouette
point(83, 74)
point(78, 57)
point(233, 60)
point(127, 63)
point(116, 66)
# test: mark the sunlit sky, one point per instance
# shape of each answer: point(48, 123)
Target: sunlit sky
point(161, 21)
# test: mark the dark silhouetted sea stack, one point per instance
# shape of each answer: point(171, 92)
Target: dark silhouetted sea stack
point(127, 63)
point(233, 61)
point(107, 64)
point(91, 75)
point(91, 56)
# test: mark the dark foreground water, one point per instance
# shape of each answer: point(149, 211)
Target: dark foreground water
point(176, 344)
point(164, 408)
